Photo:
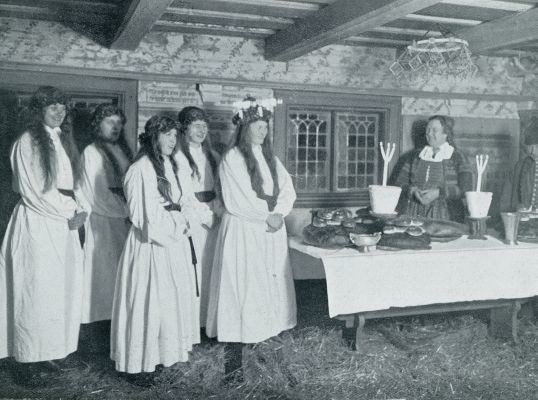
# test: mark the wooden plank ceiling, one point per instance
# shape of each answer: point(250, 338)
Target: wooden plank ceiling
point(293, 28)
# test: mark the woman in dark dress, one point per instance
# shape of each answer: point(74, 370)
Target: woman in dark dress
point(434, 180)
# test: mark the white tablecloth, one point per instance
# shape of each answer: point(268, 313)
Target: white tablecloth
point(462, 270)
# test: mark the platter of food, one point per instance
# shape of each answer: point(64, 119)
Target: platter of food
point(333, 228)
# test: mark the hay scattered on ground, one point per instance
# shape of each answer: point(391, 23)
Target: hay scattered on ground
point(434, 358)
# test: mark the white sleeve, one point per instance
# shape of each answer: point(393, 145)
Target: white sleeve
point(146, 207)
point(286, 195)
point(195, 211)
point(29, 182)
point(237, 193)
point(95, 186)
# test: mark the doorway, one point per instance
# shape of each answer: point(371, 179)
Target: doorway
point(85, 94)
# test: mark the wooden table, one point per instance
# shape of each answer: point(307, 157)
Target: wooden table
point(460, 275)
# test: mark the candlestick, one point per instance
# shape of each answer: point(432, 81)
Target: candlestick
point(387, 156)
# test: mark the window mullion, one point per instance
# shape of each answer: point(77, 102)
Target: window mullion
point(334, 143)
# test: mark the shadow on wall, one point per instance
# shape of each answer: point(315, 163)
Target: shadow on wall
point(418, 135)
point(9, 130)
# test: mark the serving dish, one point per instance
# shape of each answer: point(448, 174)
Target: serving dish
point(365, 241)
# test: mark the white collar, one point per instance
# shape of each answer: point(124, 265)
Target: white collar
point(444, 153)
point(196, 149)
point(53, 132)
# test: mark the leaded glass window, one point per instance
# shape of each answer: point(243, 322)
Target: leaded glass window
point(356, 155)
point(319, 139)
point(309, 150)
point(329, 143)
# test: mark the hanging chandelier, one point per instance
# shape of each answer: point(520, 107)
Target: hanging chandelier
point(441, 57)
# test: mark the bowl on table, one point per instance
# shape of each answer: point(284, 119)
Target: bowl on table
point(365, 241)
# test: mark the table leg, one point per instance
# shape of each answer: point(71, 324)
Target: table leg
point(349, 331)
point(360, 327)
point(503, 321)
point(515, 310)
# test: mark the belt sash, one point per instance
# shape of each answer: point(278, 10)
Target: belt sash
point(177, 207)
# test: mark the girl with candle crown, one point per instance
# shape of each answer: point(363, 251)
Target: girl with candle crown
point(252, 296)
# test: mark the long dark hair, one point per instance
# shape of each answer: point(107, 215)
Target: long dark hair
point(253, 168)
point(185, 117)
point(149, 146)
point(44, 97)
point(101, 112)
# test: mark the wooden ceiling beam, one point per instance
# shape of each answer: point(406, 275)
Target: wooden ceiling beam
point(464, 12)
point(48, 14)
point(204, 29)
point(271, 8)
point(225, 18)
point(82, 8)
point(336, 22)
point(92, 6)
point(92, 22)
point(502, 33)
point(139, 18)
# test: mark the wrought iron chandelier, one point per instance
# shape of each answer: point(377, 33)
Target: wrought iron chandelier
point(442, 57)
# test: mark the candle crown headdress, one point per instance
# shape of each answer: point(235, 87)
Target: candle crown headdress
point(250, 110)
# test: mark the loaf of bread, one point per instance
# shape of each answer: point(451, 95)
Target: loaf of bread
point(327, 237)
point(403, 241)
point(443, 229)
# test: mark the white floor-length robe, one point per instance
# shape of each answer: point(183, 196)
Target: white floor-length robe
point(204, 235)
point(252, 295)
point(106, 231)
point(40, 261)
point(154, 316)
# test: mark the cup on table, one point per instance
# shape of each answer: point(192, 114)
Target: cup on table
point(511, 224)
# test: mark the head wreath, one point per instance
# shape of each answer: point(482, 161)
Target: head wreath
point(250, 110)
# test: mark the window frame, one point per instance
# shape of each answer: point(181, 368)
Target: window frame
point(391, 106)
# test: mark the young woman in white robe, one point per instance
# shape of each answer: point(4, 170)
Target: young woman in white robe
point(154, 316)
point(252, 295)
point(104, 164)
point(41, 255)
point(196, 156)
